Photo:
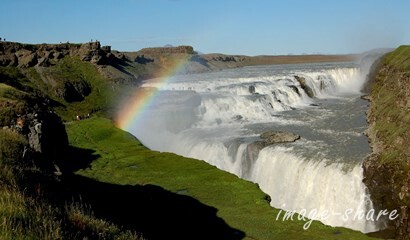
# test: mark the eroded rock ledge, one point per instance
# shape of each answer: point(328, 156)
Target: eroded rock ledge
point(30, 55)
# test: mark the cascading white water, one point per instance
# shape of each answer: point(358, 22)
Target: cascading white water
point(319, 186)
point(215, 116)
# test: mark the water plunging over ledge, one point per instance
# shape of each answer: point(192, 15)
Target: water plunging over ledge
point(215, 116)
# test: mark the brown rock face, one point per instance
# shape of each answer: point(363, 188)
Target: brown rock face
point(44, 55)
point(28, 60)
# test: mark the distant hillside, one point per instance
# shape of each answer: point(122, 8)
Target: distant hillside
point(132, 67)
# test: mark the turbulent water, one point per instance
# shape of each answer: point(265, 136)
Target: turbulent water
point(214, 116)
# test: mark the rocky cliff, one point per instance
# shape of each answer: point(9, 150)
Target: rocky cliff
point(30, 55)
point(27, 114)
point(387, 169)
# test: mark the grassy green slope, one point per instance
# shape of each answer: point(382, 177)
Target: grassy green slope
point(241, 204)
point(400, 58)
point(71, 69)
point(390, 109)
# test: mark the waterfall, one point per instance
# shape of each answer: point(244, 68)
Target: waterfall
point(215, 116)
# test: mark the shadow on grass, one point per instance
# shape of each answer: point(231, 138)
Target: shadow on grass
point(78, 158)
point(151, 210)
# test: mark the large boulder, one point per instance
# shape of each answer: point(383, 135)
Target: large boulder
point(272, 137)
point(46, 136)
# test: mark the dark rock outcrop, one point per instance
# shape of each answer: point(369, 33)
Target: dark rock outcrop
point(252, 89)
point(106, 49)
point(74, 91)
point(45, 133)
point(143, 60)
point(226, 58)
point(305, 87)
point(46, 136)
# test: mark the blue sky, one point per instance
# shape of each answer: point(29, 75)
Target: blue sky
point(251, 27)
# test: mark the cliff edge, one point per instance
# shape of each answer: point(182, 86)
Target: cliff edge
point(387, 169)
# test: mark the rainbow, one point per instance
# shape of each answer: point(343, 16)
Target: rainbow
point(132, 108)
